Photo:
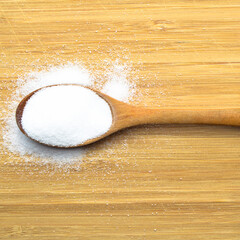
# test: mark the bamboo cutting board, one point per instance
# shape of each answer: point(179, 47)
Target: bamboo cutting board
point(156, 182)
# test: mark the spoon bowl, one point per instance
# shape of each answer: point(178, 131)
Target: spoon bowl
point(125, 115)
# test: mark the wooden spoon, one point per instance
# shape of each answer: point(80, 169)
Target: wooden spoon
point(125, 115)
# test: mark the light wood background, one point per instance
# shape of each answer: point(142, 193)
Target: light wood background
point(156, 182)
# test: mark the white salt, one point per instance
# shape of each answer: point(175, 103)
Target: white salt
point(117, 89)
point(25, 149)
point(30, 150)
point(118, 85)
point(68, 73)
point(66, 115)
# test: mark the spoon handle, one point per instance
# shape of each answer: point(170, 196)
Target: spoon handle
point(187, 116)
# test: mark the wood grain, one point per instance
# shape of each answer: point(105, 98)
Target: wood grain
point(156, 182)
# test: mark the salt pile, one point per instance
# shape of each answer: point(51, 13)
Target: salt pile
point(65, 115)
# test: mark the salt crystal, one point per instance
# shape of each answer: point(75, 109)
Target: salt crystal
point(66, 115)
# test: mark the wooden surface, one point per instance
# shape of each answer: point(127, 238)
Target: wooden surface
point(157, 182)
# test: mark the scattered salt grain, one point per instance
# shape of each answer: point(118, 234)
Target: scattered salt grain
point(69, 73)
point(117, 89)
point(66, 115)
point(118, 85)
